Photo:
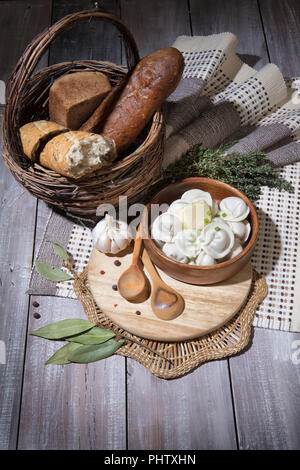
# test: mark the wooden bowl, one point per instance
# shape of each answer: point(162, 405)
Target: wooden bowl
point(191, 274)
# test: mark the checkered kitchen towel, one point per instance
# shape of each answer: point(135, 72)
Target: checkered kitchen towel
point(219, 98)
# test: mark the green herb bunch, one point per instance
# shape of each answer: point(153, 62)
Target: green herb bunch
point(247, 172)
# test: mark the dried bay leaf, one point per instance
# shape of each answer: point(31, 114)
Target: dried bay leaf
point(61, 251)
point(95, 352)
point(94, 336)
point(51, 273)
point(60, 357)
point(64, 328)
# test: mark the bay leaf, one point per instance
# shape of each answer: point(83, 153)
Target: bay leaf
point(51, 273)
point(95, 352)
point(94, 336)
point(60, 251)
point(61, 355)
point(64, 328)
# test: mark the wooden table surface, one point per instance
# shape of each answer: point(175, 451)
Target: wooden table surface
point(251, 401)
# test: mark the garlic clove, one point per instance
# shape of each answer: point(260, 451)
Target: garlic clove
point(103, 243)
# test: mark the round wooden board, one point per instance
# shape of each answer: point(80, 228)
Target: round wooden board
point(206, 307)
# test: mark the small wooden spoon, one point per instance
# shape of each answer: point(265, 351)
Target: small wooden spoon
point(166, 303)
point(133, 284)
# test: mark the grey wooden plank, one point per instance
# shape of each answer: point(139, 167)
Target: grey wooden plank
point(281, 22)
point(239, 17)
point(75, 406)
point(265, 380)
point(96, 39)
point(19, 22)
point(266, 386)
point(17, 219)
point(87, 404)
point(155, 24)
point(194, 412)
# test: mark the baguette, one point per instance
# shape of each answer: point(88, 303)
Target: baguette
point(75, 154)
point(155, 77)
point(35, 135)
point(103, 110)
point(74, 97)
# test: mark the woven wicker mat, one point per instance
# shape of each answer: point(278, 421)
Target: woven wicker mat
point(182, 357)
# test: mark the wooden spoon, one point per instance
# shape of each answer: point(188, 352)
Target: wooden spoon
point(133, 284)
point(166, 303)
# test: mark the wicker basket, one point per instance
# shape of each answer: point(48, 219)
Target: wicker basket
point(27, 100)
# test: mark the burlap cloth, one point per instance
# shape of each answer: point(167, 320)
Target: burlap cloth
point(177, 359)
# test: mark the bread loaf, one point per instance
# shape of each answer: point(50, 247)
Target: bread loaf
point(76, 153)
point(155, 77)
point(74, 97)
point(35, 135)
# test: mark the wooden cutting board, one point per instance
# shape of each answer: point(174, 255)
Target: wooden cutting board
point(206, 307)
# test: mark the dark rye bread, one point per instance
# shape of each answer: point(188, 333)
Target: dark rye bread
point(75, 96)
point(154, 78)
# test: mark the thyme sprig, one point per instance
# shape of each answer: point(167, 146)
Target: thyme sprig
point(248, 172)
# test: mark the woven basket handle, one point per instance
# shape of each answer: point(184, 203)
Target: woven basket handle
point(41, 42)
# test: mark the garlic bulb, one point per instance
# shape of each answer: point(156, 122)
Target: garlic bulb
point(188, 242)
point(111, 236)
point(241, 229)
point(233, 209)
point(172, 251)
point(165, 227)
point(203, 259)
point(217, 240)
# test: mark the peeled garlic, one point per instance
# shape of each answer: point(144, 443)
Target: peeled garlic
point(111, 236)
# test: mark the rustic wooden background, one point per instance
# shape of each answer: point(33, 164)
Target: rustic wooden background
point(251, 401)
